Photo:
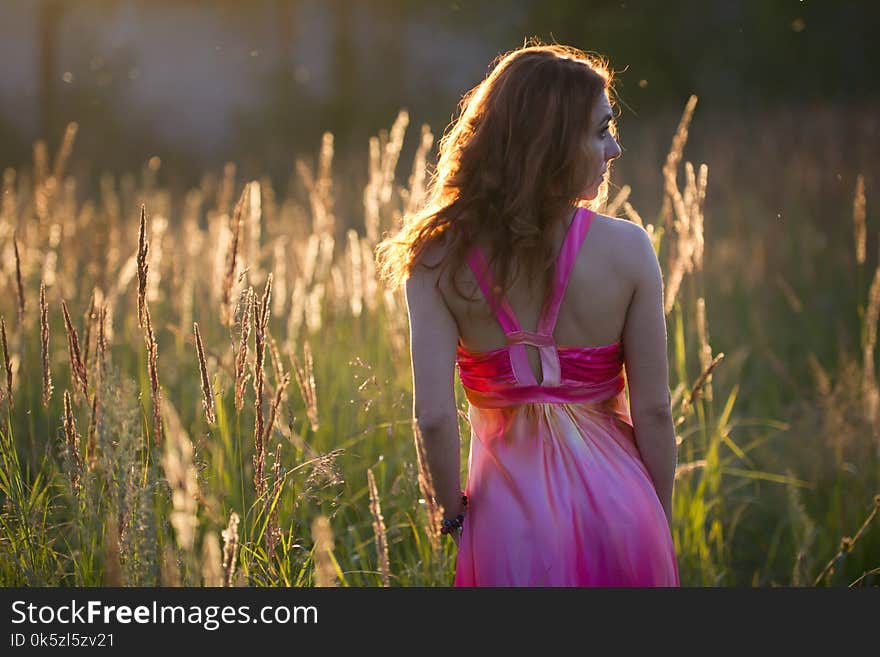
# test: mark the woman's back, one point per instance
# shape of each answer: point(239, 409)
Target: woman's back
point(593, 309)
point(554, 469)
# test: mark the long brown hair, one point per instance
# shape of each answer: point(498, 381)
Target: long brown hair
point(509, 168)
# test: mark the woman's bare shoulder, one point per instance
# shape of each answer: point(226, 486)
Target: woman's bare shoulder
point(428, 265)
point(621, 239)
point(622, 229)
point(433, 253)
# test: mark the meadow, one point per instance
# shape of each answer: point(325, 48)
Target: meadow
point(214, 389)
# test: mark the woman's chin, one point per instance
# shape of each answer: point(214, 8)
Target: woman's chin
point(590, 194)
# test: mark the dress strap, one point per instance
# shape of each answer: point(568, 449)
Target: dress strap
point(574, 239)
point(503, 312)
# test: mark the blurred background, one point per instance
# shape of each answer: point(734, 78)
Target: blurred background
point(200, 83)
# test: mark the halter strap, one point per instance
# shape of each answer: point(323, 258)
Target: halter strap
point(574, 239)
point(571, 246)
point(517, 338)
point(503, 312)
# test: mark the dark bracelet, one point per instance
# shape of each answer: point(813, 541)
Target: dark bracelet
point(448, 526)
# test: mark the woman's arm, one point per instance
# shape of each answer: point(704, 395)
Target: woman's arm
point(647, 369)
point(433, 341)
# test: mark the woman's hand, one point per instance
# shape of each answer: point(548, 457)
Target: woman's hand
point(461, 513)
point(456, 537)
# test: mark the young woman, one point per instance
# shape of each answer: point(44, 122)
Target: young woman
point(550, 311)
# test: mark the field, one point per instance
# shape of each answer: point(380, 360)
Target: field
point(214, 389)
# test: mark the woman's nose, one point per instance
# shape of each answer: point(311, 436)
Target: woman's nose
point(614, 152)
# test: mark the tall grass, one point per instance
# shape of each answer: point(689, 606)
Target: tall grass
point(157, 446)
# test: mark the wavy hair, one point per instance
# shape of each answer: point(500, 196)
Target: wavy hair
point(509, 168)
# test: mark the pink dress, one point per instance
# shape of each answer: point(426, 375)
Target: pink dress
point(558, 493)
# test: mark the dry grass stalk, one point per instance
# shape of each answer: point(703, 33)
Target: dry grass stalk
point(320, 190)
point(177, 462)
point(227, 188)
point(356, 273)
point(870, 393)
point(273, 532)
point(226, 314)
point(297, 310)
point(823, 381)
point(325, 471)
point(791, 296)
point(847, 543)
point(276, 402)
point(617, 202)
point(379, 529)
point(9, 206)
point(169, 568)
point(230, 547)
point(417, 185)
point(397, 322)
point(632, 215)
point(859, 219)
point(88, 320)
point(305, 381)
point(102, 342)
point(19, 286)
point(371, 284)
point(391, 154)
point(314, 307)
point(78, 373)
point(44, 346)
point(208, 396)
point(324, 185)
point(268, 201)
point(143, 265)
point(6, 363)
point(241, 375)
point(308, 181)
point(697, 224)
point(153, 367)
point(158, 226)
point(50, 258)
point(433, 509)
point(92, 442)
point(212, 567)
point(325, 259)
point(279, 267)
point(683, 249)
point(322, 535)
point(72, 444)
point(64, 150)
point(126, 273)
point(219, 241)
point(371, 192)
point(685, 468)
point(339, 296)
point(112, 564)
point(678, 142)
point(261, 322)
point(277, 367)
point(42, 182)
point(194, 240)
point(705, 347)
point(697, 388)
point(310, 261)
point(254, 228)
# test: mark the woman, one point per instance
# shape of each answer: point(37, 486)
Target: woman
point(541, 303)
